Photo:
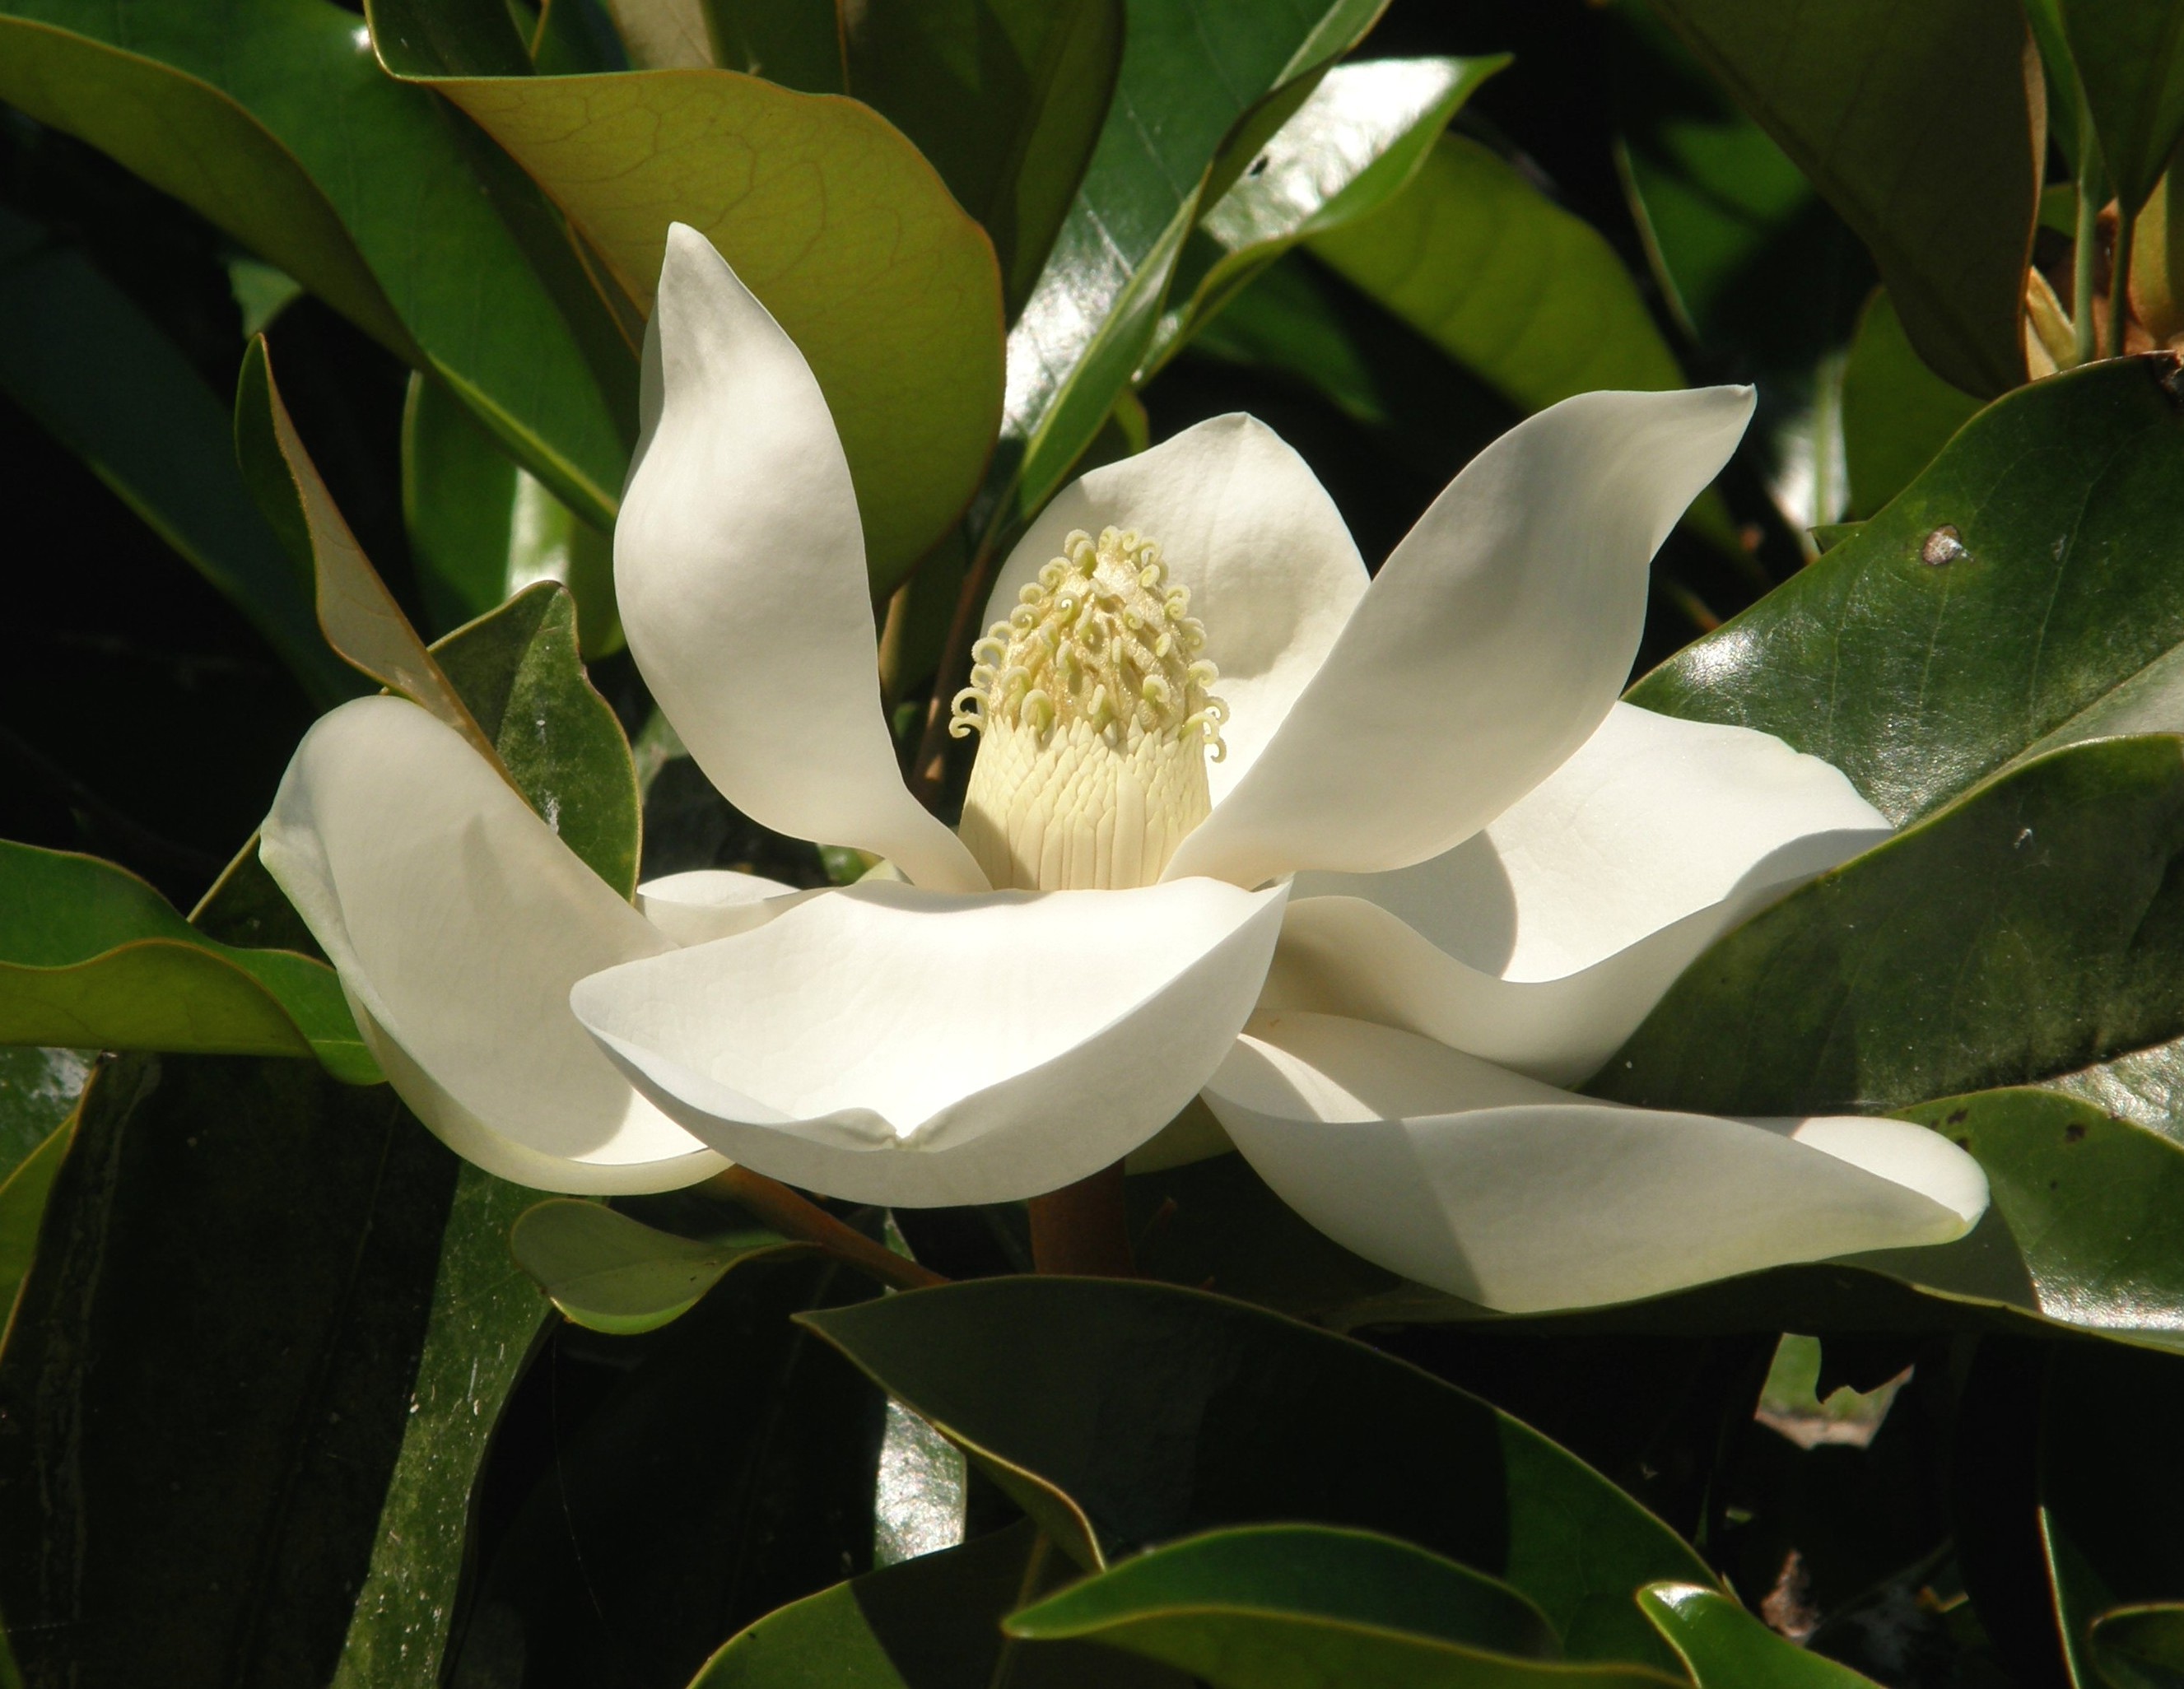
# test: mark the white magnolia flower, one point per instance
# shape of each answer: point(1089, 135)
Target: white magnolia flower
point(1191, 692)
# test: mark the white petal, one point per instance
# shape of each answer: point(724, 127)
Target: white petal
point(700, 904)
point(889, 1045)
point(1488, 647)
point(457, 922)
point(1510, 1193)
point(1246, 526)
point(1542, 942)
point(739, 566)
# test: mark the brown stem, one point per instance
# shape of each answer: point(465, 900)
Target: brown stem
point(929, 767)
point(793, 1216)
point(1083, 1229)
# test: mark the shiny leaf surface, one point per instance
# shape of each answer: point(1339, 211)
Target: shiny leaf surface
point(1942, 190)
point(1292, 1606)
point(610, 1273)
point(397, 213)
point(828, 215)
point(93, 957)
point(1725, 1647)
point(1133, 1413)
point(1506, 282)
point(2020, 593)
point(2033, 928)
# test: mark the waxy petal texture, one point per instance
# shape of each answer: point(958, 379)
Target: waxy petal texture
point(457, 922)
point(1508, 1192)
point(889, 1045)
point(1245, 525)
point(700, 904)
point(739, 565)
point(1542, 942)
point(1489, 648)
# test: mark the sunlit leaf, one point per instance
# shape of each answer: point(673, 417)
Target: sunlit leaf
point(1725, 1647)
point(610, 1272)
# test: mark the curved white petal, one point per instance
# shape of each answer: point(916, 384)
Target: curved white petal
point(739, 567)
point(1245, 525)
point(457, 922)
point(1488, 647)
point(1542, 942)
point(700, 904)
point(1510, 1193)
point(889, 1045)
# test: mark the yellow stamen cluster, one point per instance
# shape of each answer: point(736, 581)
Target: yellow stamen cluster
point(1093, 699)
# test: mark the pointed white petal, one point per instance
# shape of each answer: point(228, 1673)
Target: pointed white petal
point(1510, 1193)
point(700, 904)
point(457, 922)
point(1246, 526)
point(889, 1045)
point(1488, 647)
point(1542, 942)
point(739, 566)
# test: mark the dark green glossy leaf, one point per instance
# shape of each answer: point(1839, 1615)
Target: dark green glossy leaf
point(1134, 1413)
point(2110, 1484)
point(1725, 1647)
point(1896, 413)
point(1509, 284)
point(205, 1390)
point(1942, 191)
point(727, 1469)
point(930, 1623)
point(2045, 615)
point(1196, 81)
point(93, 957)
point(1351, 146)
point(2130, 61)
point(481, 527)
point(83, 359)
point(357, 613)
point(485, 1319)
point(797, 43)
point(397, 213)
point(1294, 1606)
point(519, 671)
point(841, 228)
point(22, 1192)
point(2031, 928)
point(2140, 1648)
point(38, 1088)
point(610, 1273)
point(1006, 97)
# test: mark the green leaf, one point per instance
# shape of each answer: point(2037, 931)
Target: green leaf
point(2130, 60)
point(610, 1273)
point(210, 1374)
point(397, 214)
point(1943, 191)
point(1357, 141)
point(2140, 1648)
point(1727, 1648)
point(93, 957)
point(484, 1322)
point(482, 527)
point(2033, 928)
point(1507, 283)
point(356, 612)
point(23, 1193)
point(1200, 86)
point(1133, 1413)
point(38, 1090)
point(2044, 617)
point(1006, 97)
point(2110, 1483)
point(927, 1622)
point(518, 669)
point(727, 1468)
point(103, 379)
point(1294, 1606)
point(827, 214)
point(1897, 414)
